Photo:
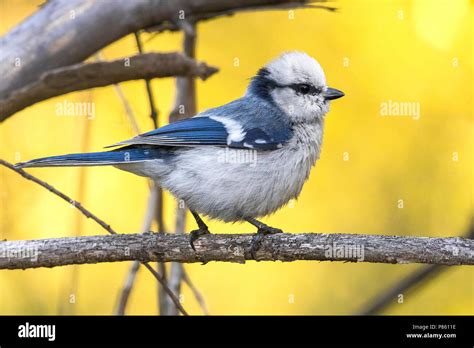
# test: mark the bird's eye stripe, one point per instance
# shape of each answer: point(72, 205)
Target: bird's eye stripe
point(305, 88)
point(297, 87)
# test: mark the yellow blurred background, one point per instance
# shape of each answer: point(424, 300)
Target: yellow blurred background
point(393, 175)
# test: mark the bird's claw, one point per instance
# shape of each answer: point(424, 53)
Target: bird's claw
point(195, 234)
point(258, 237)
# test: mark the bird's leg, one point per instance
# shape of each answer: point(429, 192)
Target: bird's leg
point(262, 231)
point(202, 230)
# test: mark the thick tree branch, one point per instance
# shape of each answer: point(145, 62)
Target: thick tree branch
point(165, 247)
point(193, 19)
point(99, 74)
point(66, 32)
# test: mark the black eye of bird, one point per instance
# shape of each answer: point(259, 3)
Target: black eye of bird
point(303, 88)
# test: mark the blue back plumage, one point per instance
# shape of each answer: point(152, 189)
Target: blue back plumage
point(248, 122)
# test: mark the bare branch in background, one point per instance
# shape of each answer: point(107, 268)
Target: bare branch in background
point(151, 101)
point(73, 30)
point(51, 189)
point(414, 280)
point(99, 74)
point(184, 107)
point(194, 19)
point(128, 110)
point(132, 120)
point(185, 101)
point(146, 227)
point(88, 214)
point(127, 288)
point(197, 294)
point(166, 247)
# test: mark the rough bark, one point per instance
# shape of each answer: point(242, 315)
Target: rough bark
point(99, 74)
point(234, 248)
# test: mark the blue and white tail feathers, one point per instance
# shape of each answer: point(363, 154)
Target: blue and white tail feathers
point(119, 156)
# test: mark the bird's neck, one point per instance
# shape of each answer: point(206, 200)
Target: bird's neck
point(307, 139)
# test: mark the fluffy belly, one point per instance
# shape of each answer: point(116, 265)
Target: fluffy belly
point(230, 186)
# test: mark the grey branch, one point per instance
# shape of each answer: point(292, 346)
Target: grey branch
point(66, 32)
point(99, 74)
point(165, 247)
point(193, 19)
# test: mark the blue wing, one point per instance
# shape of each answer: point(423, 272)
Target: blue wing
point(244, 123)
point(190, 132)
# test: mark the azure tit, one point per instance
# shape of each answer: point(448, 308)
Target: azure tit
point(280, 120)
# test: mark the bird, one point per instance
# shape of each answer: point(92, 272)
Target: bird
point(237, 162)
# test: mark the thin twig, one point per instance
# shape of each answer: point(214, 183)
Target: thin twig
point(151, 101)
point(128, 109)
point(166, 288)
point(92, 216)
point(146, 227)
point(127, 288)
point(413, 280)
point(197, 295)
point(50, 188)
point(132, 120)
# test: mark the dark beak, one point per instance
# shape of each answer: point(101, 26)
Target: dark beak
point(332, 93)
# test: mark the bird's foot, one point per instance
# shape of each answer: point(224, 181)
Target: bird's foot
point(195, 234)
point(263, 231)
